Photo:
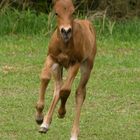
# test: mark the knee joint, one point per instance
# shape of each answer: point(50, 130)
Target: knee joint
point(45, 75)
point(81, 93)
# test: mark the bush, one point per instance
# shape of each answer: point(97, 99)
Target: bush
point(115, 8)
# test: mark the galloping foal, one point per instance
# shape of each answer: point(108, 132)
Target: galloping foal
point(72, 46)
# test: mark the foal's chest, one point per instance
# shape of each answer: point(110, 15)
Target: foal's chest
point(66, 59)
point(68, 56)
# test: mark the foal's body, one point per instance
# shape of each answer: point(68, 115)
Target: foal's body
point(72, 46)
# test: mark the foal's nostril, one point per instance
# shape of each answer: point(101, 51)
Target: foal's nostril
point(69, 30)
point(63, 30)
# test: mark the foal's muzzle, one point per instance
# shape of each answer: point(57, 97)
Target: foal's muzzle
point(66, 33)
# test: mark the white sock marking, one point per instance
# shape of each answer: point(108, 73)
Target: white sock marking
point(43, 125)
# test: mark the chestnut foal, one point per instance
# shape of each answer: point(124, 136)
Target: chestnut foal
point(72, 46)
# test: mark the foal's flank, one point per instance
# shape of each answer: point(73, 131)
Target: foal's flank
point(72, 46)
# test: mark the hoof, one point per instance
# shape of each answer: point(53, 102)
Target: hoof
point(61, 113)
point(61, 116)
point(43, 130)
point(39, 119)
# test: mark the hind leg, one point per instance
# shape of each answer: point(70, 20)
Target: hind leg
point(66, 89)
point(80, 97)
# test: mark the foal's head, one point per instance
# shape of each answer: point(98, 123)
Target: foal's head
point(64, 10)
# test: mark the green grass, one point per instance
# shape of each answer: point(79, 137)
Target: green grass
point(112, 107)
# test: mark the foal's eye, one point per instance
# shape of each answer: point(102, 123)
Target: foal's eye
point(56, 14)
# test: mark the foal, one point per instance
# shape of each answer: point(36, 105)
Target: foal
point(72, 46)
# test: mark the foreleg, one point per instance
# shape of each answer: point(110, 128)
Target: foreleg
point(66, 88)
point(45, 78)
point(56, 72)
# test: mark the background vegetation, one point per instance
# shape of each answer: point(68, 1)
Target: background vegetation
point(113, 8)
point(112, 107)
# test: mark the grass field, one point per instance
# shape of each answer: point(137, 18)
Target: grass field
point(112, 107)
